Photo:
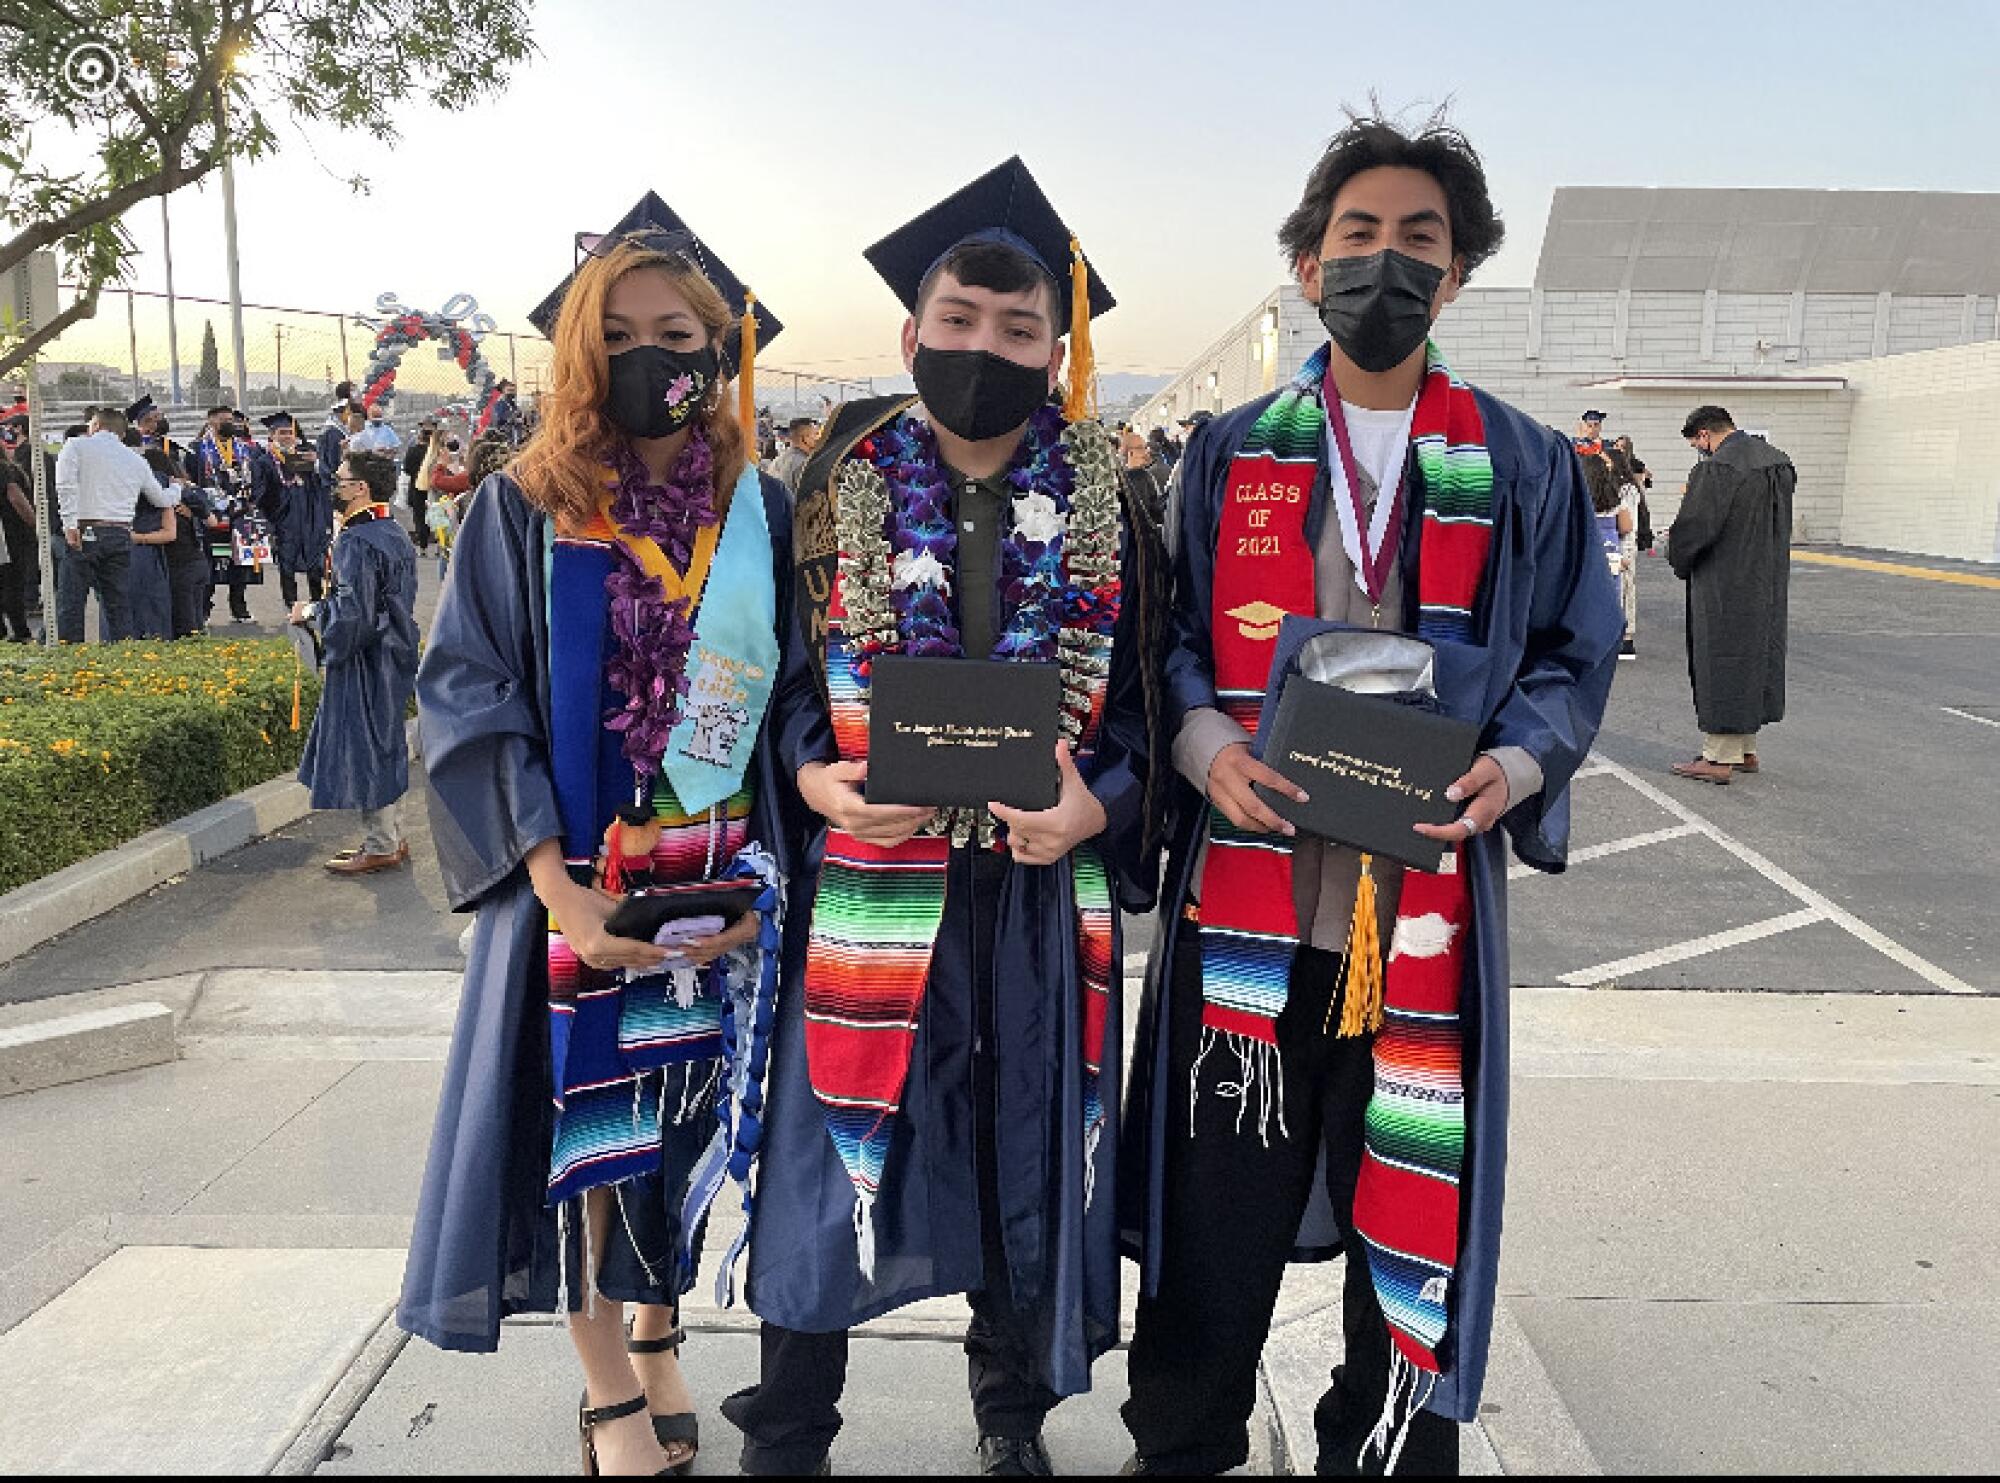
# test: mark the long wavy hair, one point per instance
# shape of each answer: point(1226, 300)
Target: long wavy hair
point(561, 470)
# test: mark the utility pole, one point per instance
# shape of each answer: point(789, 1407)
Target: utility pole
point(229, 243)
point(173, 331)
point(278, 334)
point(132, 331)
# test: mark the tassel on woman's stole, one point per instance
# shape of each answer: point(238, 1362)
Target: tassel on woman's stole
point(1361, 997)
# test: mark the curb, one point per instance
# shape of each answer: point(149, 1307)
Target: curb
point(80, 1046)
point(31, 915)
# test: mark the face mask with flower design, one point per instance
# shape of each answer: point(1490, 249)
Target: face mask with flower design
point(656, 391)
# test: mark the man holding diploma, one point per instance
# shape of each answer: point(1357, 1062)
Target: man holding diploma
point(1321, 1066)
point(944, 1085)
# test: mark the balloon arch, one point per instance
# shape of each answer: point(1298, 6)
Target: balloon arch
point(458, 328)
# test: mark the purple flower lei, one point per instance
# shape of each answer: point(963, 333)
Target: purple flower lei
point(651, 635)
point(1033, 587)
point(672, 513)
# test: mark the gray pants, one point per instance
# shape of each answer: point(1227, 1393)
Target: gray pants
point(101, 564)
point(384, 832)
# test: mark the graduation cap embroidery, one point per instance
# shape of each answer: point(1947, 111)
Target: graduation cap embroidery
point(1259, 621)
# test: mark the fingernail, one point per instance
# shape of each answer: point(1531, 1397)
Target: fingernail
point(1454, 793)
point(1290, 830)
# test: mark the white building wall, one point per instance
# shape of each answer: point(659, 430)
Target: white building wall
point(1920, 475)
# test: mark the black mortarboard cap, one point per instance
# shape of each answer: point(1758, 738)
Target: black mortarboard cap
point(654, 216)
point(279, 419)
point(1003, 205)
point(140, 408)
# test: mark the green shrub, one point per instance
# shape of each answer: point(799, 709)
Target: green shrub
point(99, 744)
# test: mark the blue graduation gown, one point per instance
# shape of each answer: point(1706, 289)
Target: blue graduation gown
point(485, 1240)
point(300, 509)
point(1538, 678)
point(356, 755)
point(1062, 1260)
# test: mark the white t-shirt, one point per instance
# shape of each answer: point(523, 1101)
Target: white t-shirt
point(1380, 440)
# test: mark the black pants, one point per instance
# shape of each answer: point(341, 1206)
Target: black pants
point(187, 582)
point(239, 592)
point(1233, 1206)
point(15, 575)
point(288, 585)
point(791, 1416)
point(420, 529)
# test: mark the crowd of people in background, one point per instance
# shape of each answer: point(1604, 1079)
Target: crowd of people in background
point(154, 528)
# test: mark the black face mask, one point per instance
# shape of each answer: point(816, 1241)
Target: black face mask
point(1378, 308)
point(977, 394)
point(656, 391)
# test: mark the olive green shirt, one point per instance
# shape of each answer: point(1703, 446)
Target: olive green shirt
point(979, 506)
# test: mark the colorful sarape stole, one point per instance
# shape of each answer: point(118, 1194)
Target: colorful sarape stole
point(1407, 1205)
point(628, 1056)
point(878, 911)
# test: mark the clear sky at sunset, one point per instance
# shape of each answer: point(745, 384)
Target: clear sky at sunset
point(1173, 135)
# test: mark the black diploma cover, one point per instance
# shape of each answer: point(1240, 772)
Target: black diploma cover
point(1373, 767)
point(961, 733)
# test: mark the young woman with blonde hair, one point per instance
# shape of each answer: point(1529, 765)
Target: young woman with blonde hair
point(600, 695)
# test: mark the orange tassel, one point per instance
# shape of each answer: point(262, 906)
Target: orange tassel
point(1361, 997)
point(1080, 402)
point(746, 372)
point(298, 671)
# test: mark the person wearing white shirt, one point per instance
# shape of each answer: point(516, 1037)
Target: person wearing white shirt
point(99, 484)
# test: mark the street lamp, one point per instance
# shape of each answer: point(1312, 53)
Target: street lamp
point(278, 334)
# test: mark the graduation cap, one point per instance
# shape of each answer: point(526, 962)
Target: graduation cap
point(279, 420)
point(654, 224)
point(1004, 206)
point(141, 409)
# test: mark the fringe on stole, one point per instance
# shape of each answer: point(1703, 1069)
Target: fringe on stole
point(1410, 1389)
point(1093, 1139)
point(864, 1233)
point(1260, 1072)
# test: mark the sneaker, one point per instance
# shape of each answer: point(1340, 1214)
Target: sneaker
point(1627, 651)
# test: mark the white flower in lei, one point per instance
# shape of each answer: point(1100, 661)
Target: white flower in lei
point(1037, 519)
point(921, 569)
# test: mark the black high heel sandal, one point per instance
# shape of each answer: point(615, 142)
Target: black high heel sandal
point(682, 1428)
point(589, 1417)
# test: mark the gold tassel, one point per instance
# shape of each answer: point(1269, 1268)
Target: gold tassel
point(1361, 999)
point(746, 373)
point(1081, 400)
point(298, 671)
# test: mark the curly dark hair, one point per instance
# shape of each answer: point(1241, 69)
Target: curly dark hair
point(1600, 481)
point(1370, 141)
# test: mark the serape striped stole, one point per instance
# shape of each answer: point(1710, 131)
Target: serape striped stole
point(875, 924)
point(1407, 1205)
point(613, 1041)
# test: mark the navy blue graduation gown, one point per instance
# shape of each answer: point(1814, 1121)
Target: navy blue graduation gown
point(356, 755)
point(485, 1240)
point(300, 509)
point(1062, 1259)
point(1538, 678)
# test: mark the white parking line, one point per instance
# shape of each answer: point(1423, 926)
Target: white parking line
point(1679, 952)
point(1613, 847)
point(1790, 884)
point(1950, 710)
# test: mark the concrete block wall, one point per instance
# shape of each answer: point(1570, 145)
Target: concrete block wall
point(1920, 473)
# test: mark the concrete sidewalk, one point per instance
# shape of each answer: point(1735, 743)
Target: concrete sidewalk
point(1745, 1232)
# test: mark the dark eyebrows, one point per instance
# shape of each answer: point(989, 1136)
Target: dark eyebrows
point(1009, 311)
point(1426, 217)
point(672, 317)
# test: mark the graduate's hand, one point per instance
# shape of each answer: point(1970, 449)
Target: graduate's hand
point(1044, 836)
point(833, 791)
point(301, 613)
point(1483, 791)
point(1229, 780)
point(581, 913)
point(702, 951)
